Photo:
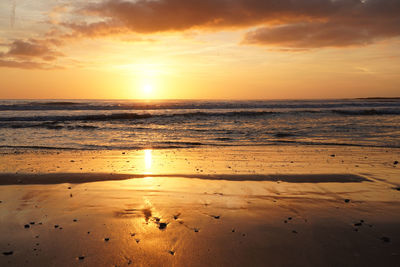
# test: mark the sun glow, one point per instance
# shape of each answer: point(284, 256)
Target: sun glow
point(148, 78)
point(147, 89)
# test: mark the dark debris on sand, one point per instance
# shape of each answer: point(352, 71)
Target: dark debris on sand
point(27, 226)
point(171, 252)
point(162, 225)
point(81, 258)
point(8, 253)
point(385, 239)
point(107, 239)
point(347, 200)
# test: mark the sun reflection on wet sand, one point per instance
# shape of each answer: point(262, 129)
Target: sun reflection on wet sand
point(148, 159)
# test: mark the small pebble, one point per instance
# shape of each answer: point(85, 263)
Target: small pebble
point(106, 239)
point(347, 200)
point(81, 258)
point(27, 226)
point(171, 252)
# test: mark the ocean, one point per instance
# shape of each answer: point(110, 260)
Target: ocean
point(157, 124)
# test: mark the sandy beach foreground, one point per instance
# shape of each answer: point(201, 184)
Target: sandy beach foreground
point(232, 206)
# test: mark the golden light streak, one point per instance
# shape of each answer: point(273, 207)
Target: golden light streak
point(148, 159)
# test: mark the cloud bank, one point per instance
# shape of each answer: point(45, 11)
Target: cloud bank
point(286, 24)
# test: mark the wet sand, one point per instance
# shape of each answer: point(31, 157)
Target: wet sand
point(260, 206)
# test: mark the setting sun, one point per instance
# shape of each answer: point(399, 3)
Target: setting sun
point(147, 89)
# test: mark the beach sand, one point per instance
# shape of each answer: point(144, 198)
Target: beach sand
point(227, 206)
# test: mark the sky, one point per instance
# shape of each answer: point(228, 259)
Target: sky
point(191, 49)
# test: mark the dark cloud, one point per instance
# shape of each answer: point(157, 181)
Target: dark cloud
point(30, 54)
point(93, 30)
point(32, 49)
point(367, 23)
point(176, 15)
point(314, 35)
point(289, 23)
